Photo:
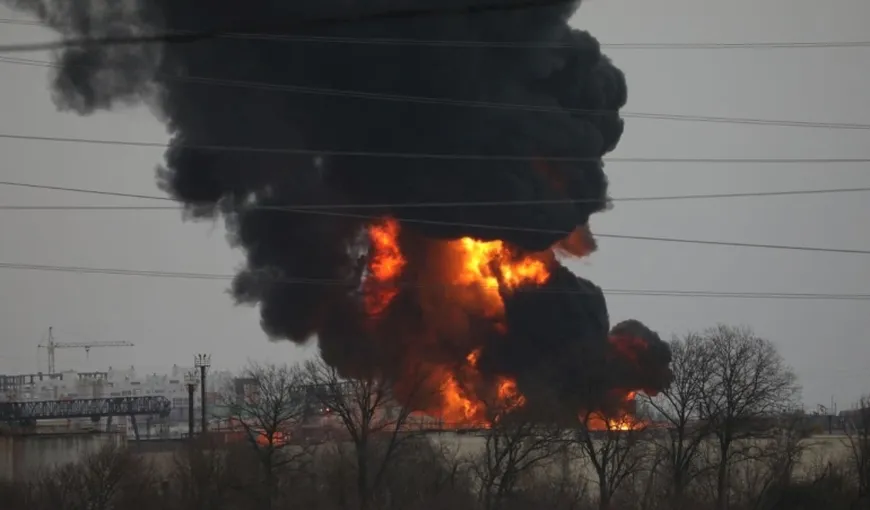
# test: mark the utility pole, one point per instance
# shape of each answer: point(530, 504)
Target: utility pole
point(190, 380)
point(202, 362)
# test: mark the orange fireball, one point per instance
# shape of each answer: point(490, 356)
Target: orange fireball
point(482, 272)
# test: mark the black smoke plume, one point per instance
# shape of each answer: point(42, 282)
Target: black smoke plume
point(313, 87)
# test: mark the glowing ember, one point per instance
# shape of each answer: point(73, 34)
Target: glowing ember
point(508, 393)
point(472, 358)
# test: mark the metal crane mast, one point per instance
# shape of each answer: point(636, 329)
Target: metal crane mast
point(51, 345)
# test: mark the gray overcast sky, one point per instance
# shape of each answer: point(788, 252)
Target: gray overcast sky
point(169, 319)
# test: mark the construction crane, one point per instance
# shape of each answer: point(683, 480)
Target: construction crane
point(51, 345)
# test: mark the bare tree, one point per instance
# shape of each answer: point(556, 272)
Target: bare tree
point(268, 404)
point(616, 449)
point(59, 488)
point(427, 474)
point(766, 472)
point(108, 479)
point(562, 492)
point(374, 419)
point(516, 445)
point(858, 439)
point(747, 385)
point(783, 450)
point(201, 477)
point(680, 405)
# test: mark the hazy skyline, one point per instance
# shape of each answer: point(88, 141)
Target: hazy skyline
point(170, 320)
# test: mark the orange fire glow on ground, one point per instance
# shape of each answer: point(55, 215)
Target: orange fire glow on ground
point(490, 268)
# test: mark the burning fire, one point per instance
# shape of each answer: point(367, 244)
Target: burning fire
point(488, 265)
point(493, 268)
point(489, 269)
point(385, 264)
point(625, 421)
point(461, 406)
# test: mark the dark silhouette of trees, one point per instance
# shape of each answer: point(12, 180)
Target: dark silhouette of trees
point(747, 383)
point(858, 440)
point(370, 416)
point(109, 479)
point(516, 445)
point(614, 451)
point(202, 477)
point(724, 439)
point(269, 411)
point(680, 406)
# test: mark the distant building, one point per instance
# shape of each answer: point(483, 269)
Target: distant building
point(118, 383)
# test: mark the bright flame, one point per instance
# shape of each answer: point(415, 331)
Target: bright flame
point(491, 266)
point(387, 261)
point(624, 422)
point(458, 407)
point(462, 406)
point(385, 264)
point(488, 269)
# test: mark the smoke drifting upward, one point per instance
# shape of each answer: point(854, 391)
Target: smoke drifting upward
point(474, 294)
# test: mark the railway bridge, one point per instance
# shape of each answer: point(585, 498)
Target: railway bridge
point(27, 413)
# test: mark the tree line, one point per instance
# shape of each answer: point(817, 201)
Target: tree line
point(727, 435)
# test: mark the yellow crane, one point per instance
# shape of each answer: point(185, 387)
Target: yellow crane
point(51, 345)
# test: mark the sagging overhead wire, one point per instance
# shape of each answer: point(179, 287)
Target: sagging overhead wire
point(190, 36)
point(476, 104)
point(412, 205)
point(352, 285)
point(525, 45)
point(320, 210)
point(430, 156)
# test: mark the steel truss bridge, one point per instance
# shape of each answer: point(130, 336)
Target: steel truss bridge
point(94, 408)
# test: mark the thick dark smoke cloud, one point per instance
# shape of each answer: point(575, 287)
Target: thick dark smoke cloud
point(639, 357)
point(566, 329)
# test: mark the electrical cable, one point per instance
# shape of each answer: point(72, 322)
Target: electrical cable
point(190, 36)
point(661, 198)
point(478, 104)
point(456, 43)
point(368, 217)
point(597, 234)
point(432, 156)
point(353, 285)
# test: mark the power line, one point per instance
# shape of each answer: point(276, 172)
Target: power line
point(412, 205)
point(193, 36)
point(476, 104)
point(82, 190)
point(432, 156)
point(736, 244)
point(609, 236)
point(369, 217)
point(352, 285)
point(456, 43)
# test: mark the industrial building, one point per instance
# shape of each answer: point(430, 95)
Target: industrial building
point(113, 383)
